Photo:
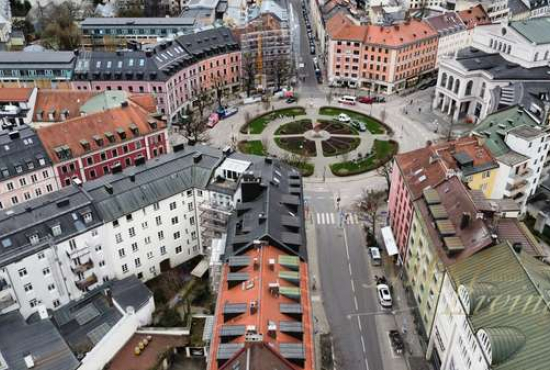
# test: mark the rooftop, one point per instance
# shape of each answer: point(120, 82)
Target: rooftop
point(518, 336)
point(41, 340)
point(429, 166)
point(511, 121)
point(474, 16)
point(534, 30)
point(446, 23)
point(136, 22)
point(15, 94)
point(51, 104)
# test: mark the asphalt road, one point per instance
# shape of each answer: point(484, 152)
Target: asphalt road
point(347, 288)
point(309, 87)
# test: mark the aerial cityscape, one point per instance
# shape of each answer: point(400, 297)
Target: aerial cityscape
point(274, 184)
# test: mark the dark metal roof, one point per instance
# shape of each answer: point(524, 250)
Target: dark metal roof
point(237, 276)
point(39, 339)
point(238, 261)
point(227, 350)
point(290, 308)
point(234, 308)
point(291, 327)
point(130, 292)
point(232, 330)
point(292, 350)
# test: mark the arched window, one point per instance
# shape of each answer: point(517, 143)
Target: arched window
point(457, 86)
point(546, 55)
point(536, 56)
point(469, 86)
point(509, 49)
point(443, 80)
point(451, 82)
point(482, 92)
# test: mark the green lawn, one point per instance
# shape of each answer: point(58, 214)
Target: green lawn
point(258, 124)
point(373, 125)
point(306, 169)
point(295, 127)
point(252, 147)
point(383, 151)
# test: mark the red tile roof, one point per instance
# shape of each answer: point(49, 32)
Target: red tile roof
point(428, 166)
point(60, 101)
point(393, 36)
point(146, 101)
point(71, 132)
point(15, 94)
point(474, 16)
point(255, 288)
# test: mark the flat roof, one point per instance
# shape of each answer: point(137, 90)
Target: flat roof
point(130, 22)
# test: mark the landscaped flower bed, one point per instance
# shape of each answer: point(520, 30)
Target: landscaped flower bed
point(339, 145)
point(336, 128)
point(297, 145)
point(383, 151)
point(295, 127)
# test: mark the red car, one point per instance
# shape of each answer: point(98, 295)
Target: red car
point(365, 100)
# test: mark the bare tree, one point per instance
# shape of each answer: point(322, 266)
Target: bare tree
point(192, 127)
point(60, 29)
point(249, 73)
point(369, 204)
point(280, 71)
point(220, 90)
point(131, 9)
point(202, 101)
point(385, 172)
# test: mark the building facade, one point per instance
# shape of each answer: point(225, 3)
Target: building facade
point(104, 141)
point(175, 71)
point(16, 106)
point(26, 170)
point(111, 34)
point(382, 59)
point(452, 32)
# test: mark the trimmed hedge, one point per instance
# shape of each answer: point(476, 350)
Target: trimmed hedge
point(383, 151)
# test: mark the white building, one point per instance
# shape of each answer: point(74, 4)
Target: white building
point(493, 318)
point(520, 145)
point(453, 34)
point(498, 10)
point(141, 222)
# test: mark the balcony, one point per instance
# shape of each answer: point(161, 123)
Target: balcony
point(7, 303)
point(520, 197)
point(83, 267)
point(512, 191)
point(84, 284)
point(522, 175)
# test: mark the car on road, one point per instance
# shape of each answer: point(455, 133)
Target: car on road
point(342, 117)
point(384, 295)
point(291, 100)
point(375, 256)
point(378, 99)
point(346, 99)
point(359, 125)
point(365, 99)
point(312, 50)
point(427, 84)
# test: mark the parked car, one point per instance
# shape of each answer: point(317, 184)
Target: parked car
point(342, 117)
point(312, 50)
point(375, 255)
point(378, 99)
point(291, 100)
point(384, 295)
point(347, 99)
point(365, 99)
point(359, 125)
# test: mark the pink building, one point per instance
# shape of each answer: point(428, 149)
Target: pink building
point(172, 70)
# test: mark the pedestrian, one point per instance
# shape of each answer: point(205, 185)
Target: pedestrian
point(419, 109)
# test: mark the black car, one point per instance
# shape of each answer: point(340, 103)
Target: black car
point(291, 100)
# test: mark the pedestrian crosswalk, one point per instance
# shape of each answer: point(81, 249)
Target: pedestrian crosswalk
point(332, 218)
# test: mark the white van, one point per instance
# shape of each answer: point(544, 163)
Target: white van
point(375, 256)
point(351, 100)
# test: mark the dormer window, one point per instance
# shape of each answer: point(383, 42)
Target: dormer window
point(30, 165)
point(121, 133)
point(134, 129)
point(98, 140)
point(87, 217)
point(34, 239)
point(41, 161)
point(152, 122)
point(51, 115)
point(56, 230)
point(5, 172)
point(85, 144)
point(110, 137)
point(39, 115)
point(18, 168)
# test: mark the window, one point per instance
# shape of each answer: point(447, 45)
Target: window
point(199, 193)
point(9, 185)
point(115, 223)
point(22, 272)
point(124, 268)
point(49, 188)
point(33, 303)
point(51, 287)
point(46, 271)
point(144, 225)
point(22, 181)
point(132, 232)
point(118, 238)
point(190, 206)
point(161, 235)
point(156, 206)
point(129, 217)
point(14, 200)
point(94, 234)
point(38, 192)
point(172, 206)
point(193, 235)
point(28, 287)
point(192, 220)
point(175, 220)
point(150, 255)
point(121, 253)
point(41, 255)
point(134, 247)
point(469, 87)
point(147, 240)
point(177, 235)
point(158, 220)
point(56, 303)
point(486, 174)
point(482, 92)
point(178, 249)
point(56, 230)
point(101, 263)
point(189, 193)
point(137, 261)
point(162, 250)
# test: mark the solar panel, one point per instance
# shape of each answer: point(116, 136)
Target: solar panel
point(96, 334)
point(232, 330)
point(237, 276)
point(453, 244)
point(86, 314)
point(446, 227)
point(438, 212)
point(431, 196)
point(234, 308)
point(290, 308)
point(291, 327)
point(289, 275)
point(227, 350)
point(292, 350)
point(239, 261)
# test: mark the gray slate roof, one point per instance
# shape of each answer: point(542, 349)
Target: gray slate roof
point(39, 339)
point(130, 292)
point(44, 59)
point(24, 150)
point(136, 22)
point(446, 23)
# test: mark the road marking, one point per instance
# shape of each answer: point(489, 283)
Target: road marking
point(367, 363)
point(356, 305)
point(349, 268)
point(347, 248)
point(332, 218)
point(318, 218)
point(359, 324)
point(352, 286)
point(363, 345)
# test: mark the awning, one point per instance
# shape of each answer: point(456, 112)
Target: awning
point(389, 241)
point(200, 269)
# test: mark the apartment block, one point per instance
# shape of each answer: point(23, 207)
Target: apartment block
point(382, 59)
point(473, 330)
point(520, 145)
point(467, 158)
point(453, 33)
point(16, 106)
point(111, 34)
point(173, 70)
point(105, 138)
point(26, 171)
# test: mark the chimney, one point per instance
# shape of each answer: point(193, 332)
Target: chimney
point(465, 220)
point(517, 247)
point(197, 158)
point(133, 178)
point(14, 135)
point(109, 188)
point(124, 104)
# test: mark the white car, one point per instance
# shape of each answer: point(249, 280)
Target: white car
point(384, 295)
point(342, 117)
